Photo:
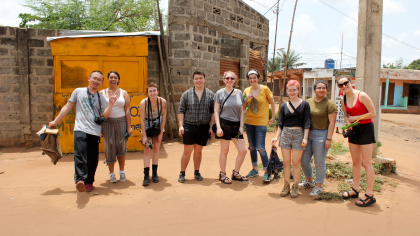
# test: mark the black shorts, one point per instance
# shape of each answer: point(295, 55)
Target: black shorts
point(363, 134)
point(196, 134)
point(230, 130)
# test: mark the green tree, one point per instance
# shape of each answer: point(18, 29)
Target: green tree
point(293, 61)
point(414, 65)
point(399, 64)
point(106, 15)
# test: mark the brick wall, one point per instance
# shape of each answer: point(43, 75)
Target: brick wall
point(196, 31)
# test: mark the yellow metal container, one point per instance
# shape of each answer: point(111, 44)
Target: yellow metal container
point(76, 58)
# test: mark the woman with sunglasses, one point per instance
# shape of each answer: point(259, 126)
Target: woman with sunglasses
point(293, 126)
point(256, 121)
point(116, 126)
point(323, 114)
point(359, 107)
point(229, 116)
point(153, 117)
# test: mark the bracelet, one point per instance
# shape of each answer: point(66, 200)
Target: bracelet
point(328, 139)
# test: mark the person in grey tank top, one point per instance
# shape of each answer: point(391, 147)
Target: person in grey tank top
point(152, 116)
point(229, 116)
point(116, 126)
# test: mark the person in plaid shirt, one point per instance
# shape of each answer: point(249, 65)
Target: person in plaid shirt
point(196, 116)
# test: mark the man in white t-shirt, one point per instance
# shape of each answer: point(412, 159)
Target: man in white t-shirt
point(91, 110)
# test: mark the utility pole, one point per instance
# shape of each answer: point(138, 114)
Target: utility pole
point(287, 56)
point(274, 53)
point(368, 63)
point(341, 49)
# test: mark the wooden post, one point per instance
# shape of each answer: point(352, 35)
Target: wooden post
point(287, 56)
point(168, 124)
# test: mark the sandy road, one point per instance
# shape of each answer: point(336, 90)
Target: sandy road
point(38, 198)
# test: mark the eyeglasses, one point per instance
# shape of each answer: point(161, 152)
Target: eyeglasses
point(230, 78)
point(343, 84)
point(321, 88)
point(292, 90)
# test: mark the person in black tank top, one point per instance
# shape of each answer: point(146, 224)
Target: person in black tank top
point(152, 103)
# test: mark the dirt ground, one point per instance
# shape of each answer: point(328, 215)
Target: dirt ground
point(39, 198)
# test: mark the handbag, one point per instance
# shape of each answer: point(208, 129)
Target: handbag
point(214, 127)
point(154, 130)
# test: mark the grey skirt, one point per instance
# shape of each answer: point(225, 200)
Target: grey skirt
point(113, 130)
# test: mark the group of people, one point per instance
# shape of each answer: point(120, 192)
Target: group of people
point(304, 129)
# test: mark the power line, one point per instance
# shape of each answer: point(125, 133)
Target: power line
point(352, 18)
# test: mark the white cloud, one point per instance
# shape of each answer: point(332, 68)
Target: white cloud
point(417, 33)
point(304, 26)
point(393, 7)
point(392, 44)
point(10, 10)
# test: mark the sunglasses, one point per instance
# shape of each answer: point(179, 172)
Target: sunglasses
point(343, 84)
point(230, 78)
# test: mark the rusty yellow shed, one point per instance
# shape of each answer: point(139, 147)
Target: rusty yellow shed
point(76, 56)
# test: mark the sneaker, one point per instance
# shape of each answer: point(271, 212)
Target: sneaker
point(80, 186)
point(112, 178)
point(307, 184)
point(316, 191)
point(181, 178)
point(252, 173)
point(122, 177)
point(286, 190)
point(198, 176)
point(266, 179)
point(89, 187)
point(295, 191)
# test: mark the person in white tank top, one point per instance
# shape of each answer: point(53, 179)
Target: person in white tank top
point(116, 126)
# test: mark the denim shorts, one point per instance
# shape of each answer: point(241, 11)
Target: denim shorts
point(291, 139)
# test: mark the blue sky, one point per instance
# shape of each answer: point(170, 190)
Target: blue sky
point(317, 29)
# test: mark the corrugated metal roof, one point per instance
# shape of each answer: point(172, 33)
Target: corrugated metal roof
point(119, 34)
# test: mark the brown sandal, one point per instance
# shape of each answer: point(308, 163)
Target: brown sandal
point(223, 178)
point(237, 177)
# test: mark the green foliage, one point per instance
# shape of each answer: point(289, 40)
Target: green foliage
point(393, 184)
point(338, 170)
point(337, 148)
point(293, 61)
point(384, 169)
point(343, 186)
point(379, 144)
point(414, 65)
point(329, 196)
point(105, 15)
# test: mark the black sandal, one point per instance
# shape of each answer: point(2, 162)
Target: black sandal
point(223, 178)
point(366, 202)
point(237, 177)
point(351, 196)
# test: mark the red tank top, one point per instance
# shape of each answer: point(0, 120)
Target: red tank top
point(357, 110)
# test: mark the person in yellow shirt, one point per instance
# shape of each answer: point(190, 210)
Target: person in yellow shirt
point(257, 97)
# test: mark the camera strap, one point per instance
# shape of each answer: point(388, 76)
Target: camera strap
point(149, 106)
point(90, 102)
point(221, 107)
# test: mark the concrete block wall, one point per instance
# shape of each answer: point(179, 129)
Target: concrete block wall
point(27, 84)
point(196, 30)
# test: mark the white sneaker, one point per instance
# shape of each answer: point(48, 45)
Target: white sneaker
point(122, 177)
point(112, 178)
point(316, 191)
point(307, 184)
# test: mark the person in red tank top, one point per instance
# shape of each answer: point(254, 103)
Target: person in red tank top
point(361, 139)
